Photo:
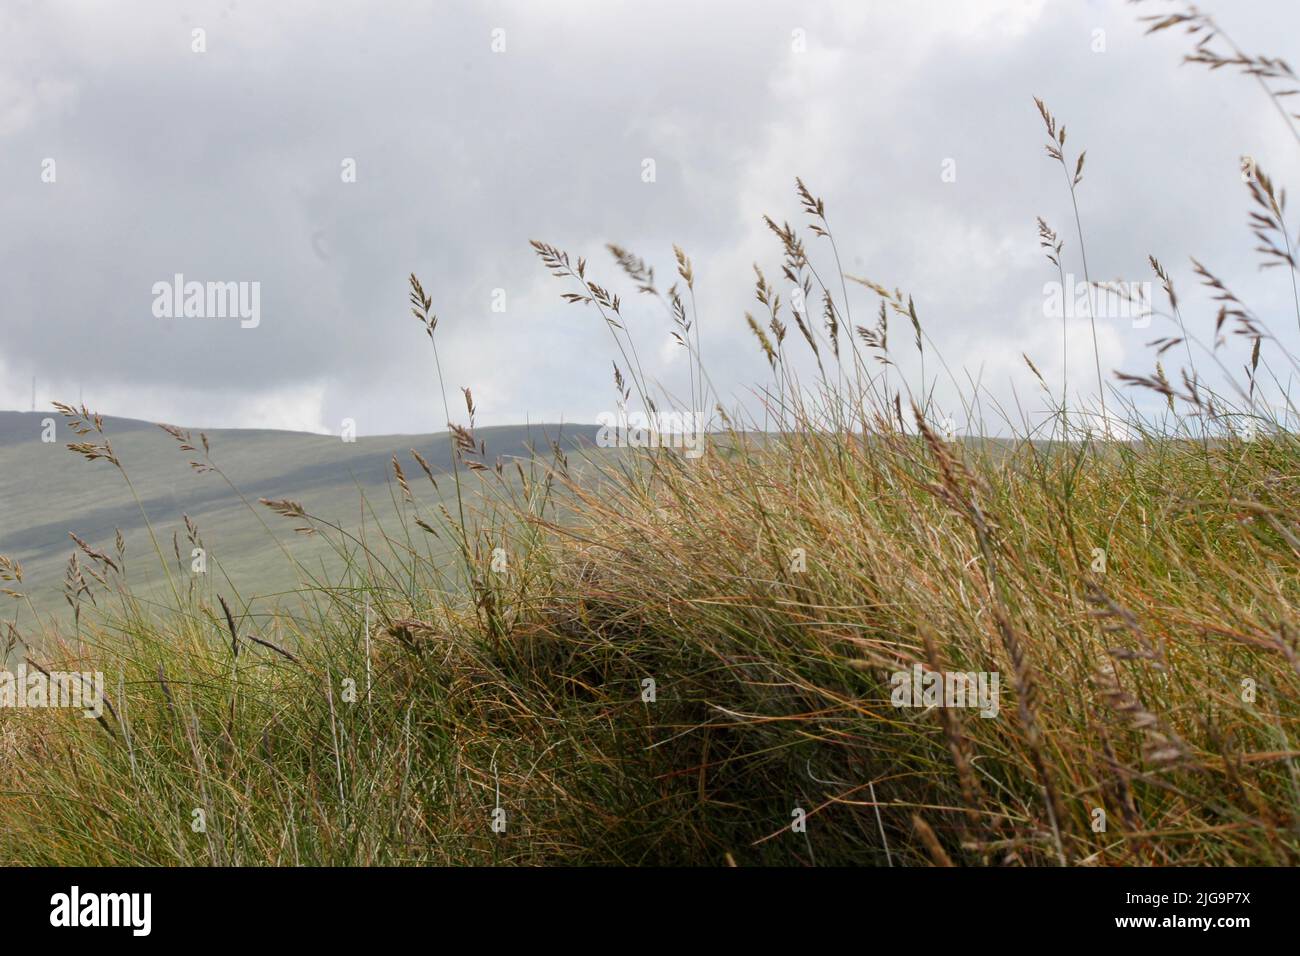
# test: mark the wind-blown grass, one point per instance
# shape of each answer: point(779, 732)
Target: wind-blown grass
point(645, 658)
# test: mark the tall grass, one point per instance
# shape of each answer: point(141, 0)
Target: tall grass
point(638, 657)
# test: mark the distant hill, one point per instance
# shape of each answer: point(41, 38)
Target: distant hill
point(47, 491)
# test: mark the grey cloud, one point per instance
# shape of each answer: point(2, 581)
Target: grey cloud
point(225, 166)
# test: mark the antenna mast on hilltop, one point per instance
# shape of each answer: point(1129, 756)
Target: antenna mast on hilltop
point(33, 393)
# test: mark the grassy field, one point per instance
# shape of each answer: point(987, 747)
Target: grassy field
point(643, 657)
point(1148, 709)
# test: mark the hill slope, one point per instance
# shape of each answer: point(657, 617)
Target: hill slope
point(46, 492)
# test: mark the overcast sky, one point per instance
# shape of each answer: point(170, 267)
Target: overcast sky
point(228, 165)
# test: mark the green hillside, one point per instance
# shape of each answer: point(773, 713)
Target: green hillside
point(47, 491)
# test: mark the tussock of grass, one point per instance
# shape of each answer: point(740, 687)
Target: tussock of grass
point(771, 684)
